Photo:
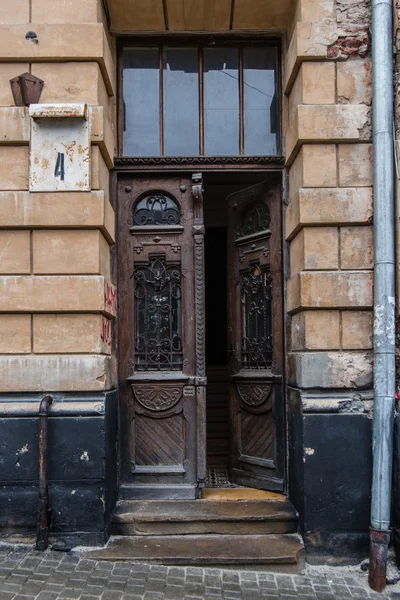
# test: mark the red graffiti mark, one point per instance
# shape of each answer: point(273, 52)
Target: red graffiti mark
point(110, 298)
point(106, 331)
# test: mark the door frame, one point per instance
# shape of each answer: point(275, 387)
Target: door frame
point(262, 167)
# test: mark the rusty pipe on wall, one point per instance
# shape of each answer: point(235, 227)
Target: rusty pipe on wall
point(42, 534)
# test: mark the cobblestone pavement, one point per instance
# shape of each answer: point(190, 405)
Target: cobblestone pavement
point(29, 575)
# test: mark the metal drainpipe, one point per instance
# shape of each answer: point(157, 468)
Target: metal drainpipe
point(42, 534)
point(384, 289)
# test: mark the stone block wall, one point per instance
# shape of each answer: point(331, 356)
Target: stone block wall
point(56, 295)
point(329, 292)
point(57, 298)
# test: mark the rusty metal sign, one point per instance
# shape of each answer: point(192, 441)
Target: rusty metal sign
point(60, 148)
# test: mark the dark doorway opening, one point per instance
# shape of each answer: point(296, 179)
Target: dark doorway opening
point(216, 189)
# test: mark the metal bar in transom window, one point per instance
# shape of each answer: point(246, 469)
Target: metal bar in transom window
point(161, 99)
point(201, 103)
point(241, 107)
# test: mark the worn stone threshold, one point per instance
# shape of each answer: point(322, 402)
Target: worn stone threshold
point(284, 549)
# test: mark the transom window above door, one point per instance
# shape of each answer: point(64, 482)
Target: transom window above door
point(208, 101)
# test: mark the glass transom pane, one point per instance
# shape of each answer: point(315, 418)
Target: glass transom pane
point(221, 101)
point(260, 102)
point(213, 101)
point(141, 93)
point(181, 101)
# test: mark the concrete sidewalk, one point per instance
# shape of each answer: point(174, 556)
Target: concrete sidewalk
point(29, 575)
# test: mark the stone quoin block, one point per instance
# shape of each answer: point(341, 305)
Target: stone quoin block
point(310, 41)
point(314, 248)
point(14, 12)
point(102, 133)
point(330, 289)
point(314, 11)
point(315, 330)
point(73, 11)
point(14, 161)
point(15, 252)
point(80, 373)
point(357, 330)
point(327, 123)
point(314, 166)
point(355, 165)
point(14, 125)
point(354, 81)
point(71, 333)
point(73, 293)
point(58, 209)
point(304, 90)
point(72, 82)
point(70, 252)
point(100, 175)
point(330, 369)
point(356, 247)
point(59, 42)
point(15, 335)
point(328, 206)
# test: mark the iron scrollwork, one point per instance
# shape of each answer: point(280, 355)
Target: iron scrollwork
point(156, 209)
point(158, 343)
point(257, 218)
point(256, 309)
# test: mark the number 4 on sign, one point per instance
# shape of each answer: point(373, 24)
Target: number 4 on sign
point(59, 171)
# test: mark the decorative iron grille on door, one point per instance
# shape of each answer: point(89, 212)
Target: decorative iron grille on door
point(158, 293)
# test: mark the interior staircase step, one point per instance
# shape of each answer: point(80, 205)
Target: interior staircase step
point(185, 517)
point(282, 552)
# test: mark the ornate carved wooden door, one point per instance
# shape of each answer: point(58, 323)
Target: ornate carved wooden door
point(255, 330)
point(161, 336)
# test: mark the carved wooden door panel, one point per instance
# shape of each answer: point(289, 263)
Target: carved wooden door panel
point(161, 336)
point(255, 331)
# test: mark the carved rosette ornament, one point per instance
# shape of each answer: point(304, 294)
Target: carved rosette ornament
point(254, 395)
point(157, 398)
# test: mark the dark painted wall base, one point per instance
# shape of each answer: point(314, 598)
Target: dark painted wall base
point(336, 547)
point(82, 465)
point(330, 471)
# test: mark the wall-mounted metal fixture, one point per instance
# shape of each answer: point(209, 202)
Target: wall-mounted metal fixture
point(59, 148)
point(26, 89)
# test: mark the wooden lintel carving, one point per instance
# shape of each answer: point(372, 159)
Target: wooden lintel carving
point(156, 397)
point(254, 395)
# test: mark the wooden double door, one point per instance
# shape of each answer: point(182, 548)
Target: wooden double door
point(161, 336)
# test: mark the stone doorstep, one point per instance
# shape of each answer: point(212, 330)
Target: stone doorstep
point(198, 517)
point(285, 551)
